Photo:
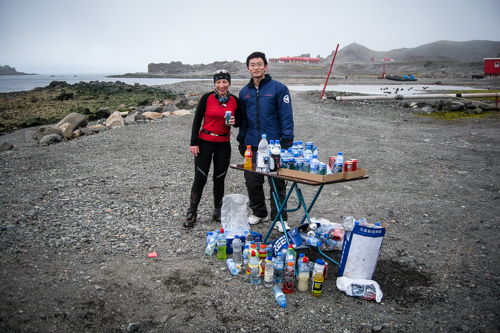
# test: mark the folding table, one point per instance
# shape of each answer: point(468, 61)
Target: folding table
point(300, 197)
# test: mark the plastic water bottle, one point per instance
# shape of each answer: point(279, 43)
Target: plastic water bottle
point(303, 284)
point(254, 267)
point(315, 164)
point(300, 260)
point(311, 240)
point(295, 149)
point(278, 268)
point(269, 274)
point(263, 155)
point(348, 222)
point(339, 163)
point(238, 260)
point(232, 266)
point(318, 278)
point(301, 149)
point(315, 151)
point(308, 153)
point(212, 242)
point(270, 146)
point(288, 280)
point(363, 222)
point(280, 297)
point(221, 246)
point(245, 257)
point(277, 144)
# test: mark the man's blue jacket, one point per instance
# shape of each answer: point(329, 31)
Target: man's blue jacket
point(267, 110)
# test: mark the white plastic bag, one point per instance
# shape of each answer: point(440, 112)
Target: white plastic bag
point(362, 288)
point(234, 214)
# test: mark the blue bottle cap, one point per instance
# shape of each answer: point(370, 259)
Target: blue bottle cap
point(320, 261)
point(340, 153)
point(301, 254)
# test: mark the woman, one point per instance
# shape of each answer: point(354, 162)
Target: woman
point(211, 141)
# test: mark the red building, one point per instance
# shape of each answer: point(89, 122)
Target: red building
point(491, 67)
point(296, 59)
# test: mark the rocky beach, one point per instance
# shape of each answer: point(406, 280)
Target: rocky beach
point(78, 219)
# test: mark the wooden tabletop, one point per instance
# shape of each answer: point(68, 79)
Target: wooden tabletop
point(293, 179)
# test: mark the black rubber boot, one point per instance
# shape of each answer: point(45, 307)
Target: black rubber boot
point(190, 218)
point(217, 215)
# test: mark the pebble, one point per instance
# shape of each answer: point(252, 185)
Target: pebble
point(132, 327)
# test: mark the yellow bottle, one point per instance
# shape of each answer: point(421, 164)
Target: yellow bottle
point(248, 158)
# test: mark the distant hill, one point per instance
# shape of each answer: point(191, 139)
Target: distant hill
point(7, 70)
point(469, 51)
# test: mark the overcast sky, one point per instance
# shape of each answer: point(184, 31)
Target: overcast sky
point(108, 36)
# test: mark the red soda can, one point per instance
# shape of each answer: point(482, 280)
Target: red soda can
point(325, 270)
point(331, 162)
point(354, 164)
point(348, 166)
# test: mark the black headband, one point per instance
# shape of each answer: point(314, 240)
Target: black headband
point(222, 75)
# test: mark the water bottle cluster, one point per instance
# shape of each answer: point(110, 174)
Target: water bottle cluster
point(348, 222)
point(278, 272)
point(298, 157)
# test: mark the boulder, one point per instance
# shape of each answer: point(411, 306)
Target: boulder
point(427, 109)
point(181, 102)
point(475, 111)
point(453, 106)
point(152, 108)
point(67, 130)
point(77, 133)
point(6, 146)
point(170, 108)
point(102, 113)
point(139, 118)
point(115, 120)
point(49, 130)
point(49, 139)
point(130, 119)
point(89, 131)
point(488, 107)
point(191, 104)
point(180, 112)
point(152, 115)
point(76, 120)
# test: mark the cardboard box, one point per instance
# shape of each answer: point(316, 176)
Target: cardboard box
point(355, 174)
point(229, 248)
point(310, 176)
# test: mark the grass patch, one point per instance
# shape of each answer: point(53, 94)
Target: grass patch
point(52, 103)
point(457, 115)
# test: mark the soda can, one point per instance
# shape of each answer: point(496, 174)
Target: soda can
point(228, 116)
point(331, 162)
point(354, 164)
point(325, 270)
point(348, 166)
point(322, 169)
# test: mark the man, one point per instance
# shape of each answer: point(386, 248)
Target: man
point(267, 109)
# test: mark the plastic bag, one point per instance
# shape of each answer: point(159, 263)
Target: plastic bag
point(362, 288)
point(234, 214)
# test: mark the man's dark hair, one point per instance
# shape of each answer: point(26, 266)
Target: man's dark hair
point(257, 55)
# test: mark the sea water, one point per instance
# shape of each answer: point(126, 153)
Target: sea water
point(10, 83)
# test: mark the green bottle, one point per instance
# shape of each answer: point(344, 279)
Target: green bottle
point(221, 246)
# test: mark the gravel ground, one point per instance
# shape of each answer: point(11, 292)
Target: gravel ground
point(78, 219)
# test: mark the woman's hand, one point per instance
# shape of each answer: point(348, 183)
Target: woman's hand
point(195, 150)
point(232, 121)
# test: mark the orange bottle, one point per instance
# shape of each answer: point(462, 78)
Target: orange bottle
point(248, 158)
